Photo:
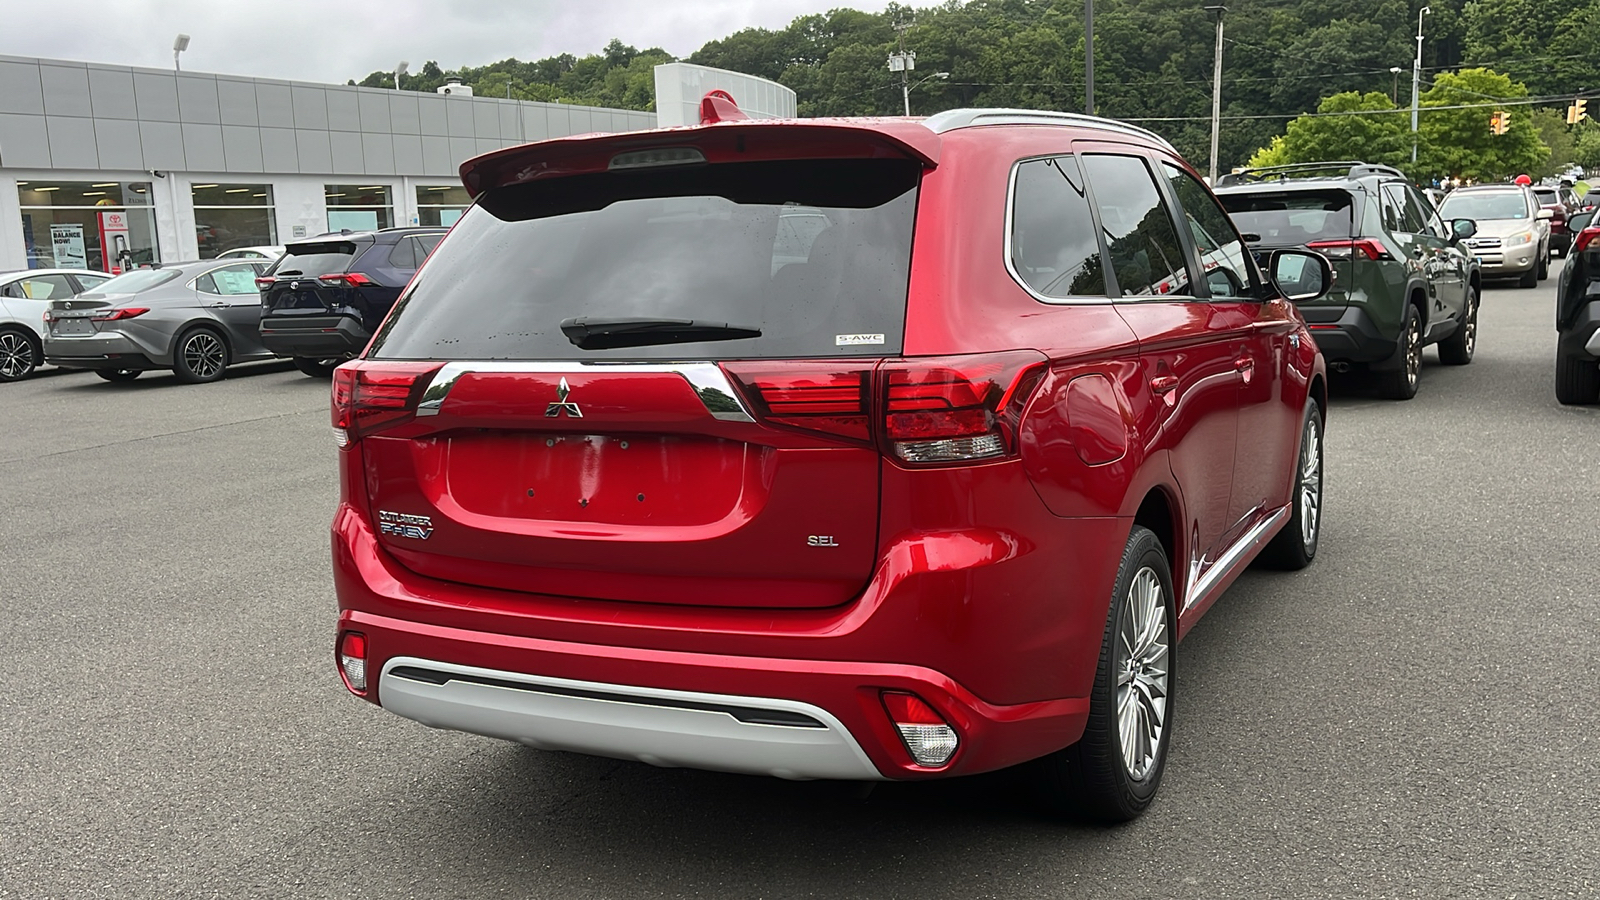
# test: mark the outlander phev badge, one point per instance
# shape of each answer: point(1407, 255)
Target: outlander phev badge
point(561, 405)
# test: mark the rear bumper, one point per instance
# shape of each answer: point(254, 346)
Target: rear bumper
point(109, 350)
point(315, 337)
point(1353, 337)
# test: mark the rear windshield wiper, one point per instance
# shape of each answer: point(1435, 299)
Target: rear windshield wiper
point(604, 333)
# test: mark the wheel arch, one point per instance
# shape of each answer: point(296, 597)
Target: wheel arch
point(1159, 512)
point(209, 324)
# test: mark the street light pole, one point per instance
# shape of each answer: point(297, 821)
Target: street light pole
point(1216, 91)
point(180, 44)
point(1416, 81)
point(1394, 89)
point(1088, 57)
point(400, 68)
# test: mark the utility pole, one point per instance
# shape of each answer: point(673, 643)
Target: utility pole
point(1416, 81)
point(1088, 57)
point(1216, 91)
point(904, 62)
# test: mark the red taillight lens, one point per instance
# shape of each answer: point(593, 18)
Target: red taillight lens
point(345, 279)
point(1368, 247)
point(368, 397)
point(264, 282)
point(958, 408)
point(116, 315)
point(1585, 238)
point(928, 737)
point(825, 396)
point(353, 660)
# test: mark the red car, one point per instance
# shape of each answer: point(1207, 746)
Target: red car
point(839, 449)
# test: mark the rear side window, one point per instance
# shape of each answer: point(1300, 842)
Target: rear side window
point(316, 259)
point(1054, 249)
point(404, 254)
point(1228, 268)
point(1407, 214)
point(1143, 241)
point(813, 253)
point(1292, 217)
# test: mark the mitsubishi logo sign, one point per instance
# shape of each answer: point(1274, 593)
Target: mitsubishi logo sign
point(561, 405)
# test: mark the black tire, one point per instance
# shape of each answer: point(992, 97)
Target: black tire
point(1543, 265)
point(1529, 278)
point(1296, 545)
point(200, 356)
point(1457, 349)
point(1577, 380)
point(317, 368)
point(20, 354)
point(1092, 779)
point(119, 376)
point(1400, 381)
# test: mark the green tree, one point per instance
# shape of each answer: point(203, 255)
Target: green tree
point(1366, 127)
point(1457, 141)
point(1553, 133)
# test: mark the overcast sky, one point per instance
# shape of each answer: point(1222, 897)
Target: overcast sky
point(336, 40)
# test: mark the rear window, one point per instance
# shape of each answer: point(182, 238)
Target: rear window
point(136, 281)
point(1547, 196)
point(315, 259)
point(816, 254)
point(1291, 217)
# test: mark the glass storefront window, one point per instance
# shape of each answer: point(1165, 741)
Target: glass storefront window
point(227, 216)
point(441, 204)
point(108, 226)
point(354, 207)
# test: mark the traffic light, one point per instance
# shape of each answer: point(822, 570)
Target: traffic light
point(1575, 113)
point(1499, 121)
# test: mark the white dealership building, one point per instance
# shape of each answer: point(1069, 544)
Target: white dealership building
point(104, 167)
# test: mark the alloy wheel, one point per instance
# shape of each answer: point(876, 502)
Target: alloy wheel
point(16, 355)
point(1471, 337)
point(1310, 483)
point(1413, 352)
point(203, 354)
point(1143, 674)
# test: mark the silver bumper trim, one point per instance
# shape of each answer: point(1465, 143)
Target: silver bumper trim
point(719, 732)
point(705, 378)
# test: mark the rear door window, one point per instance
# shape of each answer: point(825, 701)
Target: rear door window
point(1287, 218)
point(1146, 257)
point(1054, 249)
point(705, 243)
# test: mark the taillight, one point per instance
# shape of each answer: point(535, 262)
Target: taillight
point(345, 279)
point(1585, 238)
point(957, 408)
point(116, 315)
point(353, 660)
point(1346, 249)
point(264, 282)
point(928, 737)
point(367, 399)
point(825, 396)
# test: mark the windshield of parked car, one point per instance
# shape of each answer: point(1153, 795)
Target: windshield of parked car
point(1291, 217)
point(1485, 205)
point(135, 281)
point(811, 255)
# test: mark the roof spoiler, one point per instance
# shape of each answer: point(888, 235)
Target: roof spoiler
point(726, 134)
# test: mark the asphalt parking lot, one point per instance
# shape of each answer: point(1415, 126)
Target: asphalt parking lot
point(1411, 716)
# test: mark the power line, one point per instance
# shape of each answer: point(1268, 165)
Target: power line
point(1530, 101)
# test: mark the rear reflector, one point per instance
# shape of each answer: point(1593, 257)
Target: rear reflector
point(927, 736)
point(353, 660)
point(958, 408)
point(1369, 248)
point(367, 398)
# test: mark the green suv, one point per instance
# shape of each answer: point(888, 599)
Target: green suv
point(1402, 277)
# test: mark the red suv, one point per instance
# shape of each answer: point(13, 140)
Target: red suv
point(843, 449)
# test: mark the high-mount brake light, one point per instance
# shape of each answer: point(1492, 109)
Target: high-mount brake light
point(1345, 249)
point(665, 156)
point(369, 398)
point(832, 397)
point(353, 661)
point(345, 279)
point(928, 737)
point(117, 315)
point(1585, 238)
point(958, 408)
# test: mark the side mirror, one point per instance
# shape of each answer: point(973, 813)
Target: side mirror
point(1300, 274)
point(1544, 214)
point(1580, 221)
point(1461, 229)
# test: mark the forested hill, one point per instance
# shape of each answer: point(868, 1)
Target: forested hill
point(1153, 59)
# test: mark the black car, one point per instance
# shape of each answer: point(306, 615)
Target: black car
point(321, 302)
point(1402, 279)
point(1578, 316)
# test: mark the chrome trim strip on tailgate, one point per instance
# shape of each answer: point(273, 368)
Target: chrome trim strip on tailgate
point(1234, 558)
point(717, 732)
point(707, 380)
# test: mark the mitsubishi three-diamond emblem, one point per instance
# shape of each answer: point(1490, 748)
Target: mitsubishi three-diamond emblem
point(561, 405)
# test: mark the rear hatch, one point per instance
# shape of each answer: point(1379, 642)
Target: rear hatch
point(648, 384)
point(310, 279)
point(1319, 219)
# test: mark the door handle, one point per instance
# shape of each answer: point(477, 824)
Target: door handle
point(1163, 384)
point(1246, 367)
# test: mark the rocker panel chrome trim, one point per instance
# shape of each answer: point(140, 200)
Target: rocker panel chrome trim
point(1234, 558)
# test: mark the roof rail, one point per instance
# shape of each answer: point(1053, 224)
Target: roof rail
point(950, 120)
point(1350, 168)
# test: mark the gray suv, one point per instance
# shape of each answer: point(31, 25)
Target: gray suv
point(1513, 238)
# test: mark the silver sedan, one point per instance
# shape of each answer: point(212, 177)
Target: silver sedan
point(193, 318)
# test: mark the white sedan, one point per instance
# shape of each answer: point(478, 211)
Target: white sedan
point(24, 296)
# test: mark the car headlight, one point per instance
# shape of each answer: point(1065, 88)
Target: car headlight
point(1517, 240)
